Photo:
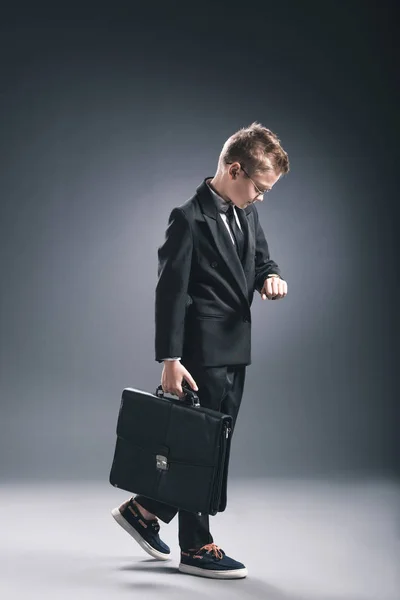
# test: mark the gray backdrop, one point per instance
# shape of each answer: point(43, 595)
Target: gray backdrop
point(111, 120)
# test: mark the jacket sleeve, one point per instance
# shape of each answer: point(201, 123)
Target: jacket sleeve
point(264, 265)
point(174, 263)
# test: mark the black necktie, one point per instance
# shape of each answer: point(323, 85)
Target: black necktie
point(237, 232)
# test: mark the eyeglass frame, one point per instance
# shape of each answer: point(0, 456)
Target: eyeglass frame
point(260, 193)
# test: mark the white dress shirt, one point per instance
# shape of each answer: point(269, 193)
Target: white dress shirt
point(223, 206)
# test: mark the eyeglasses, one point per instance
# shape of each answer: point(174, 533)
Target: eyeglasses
point(259, 192)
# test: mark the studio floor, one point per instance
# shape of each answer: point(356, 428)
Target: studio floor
point(300, 540)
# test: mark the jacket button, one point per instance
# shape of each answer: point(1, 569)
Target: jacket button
point(214, 264)
point(246, 320)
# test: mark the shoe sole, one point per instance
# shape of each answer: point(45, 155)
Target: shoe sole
point(233, 574)
point(136, 536)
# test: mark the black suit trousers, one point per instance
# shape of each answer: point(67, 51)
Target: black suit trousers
point(220, 388)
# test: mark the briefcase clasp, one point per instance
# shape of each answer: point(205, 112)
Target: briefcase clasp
point(162, 462)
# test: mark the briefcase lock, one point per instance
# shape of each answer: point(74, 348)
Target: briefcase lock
point(162, 462)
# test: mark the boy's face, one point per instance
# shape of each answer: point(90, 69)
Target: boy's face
point(244, 189)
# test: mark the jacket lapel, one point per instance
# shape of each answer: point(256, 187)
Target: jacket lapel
point(246, 220)
point(223, 242)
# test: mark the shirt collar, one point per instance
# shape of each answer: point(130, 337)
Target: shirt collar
point(222, 204)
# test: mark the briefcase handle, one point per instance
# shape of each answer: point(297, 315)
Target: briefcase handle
point(190, 396)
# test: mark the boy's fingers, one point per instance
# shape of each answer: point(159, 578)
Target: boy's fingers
point(191, 381)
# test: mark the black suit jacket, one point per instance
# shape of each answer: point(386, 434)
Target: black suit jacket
point(204, 292)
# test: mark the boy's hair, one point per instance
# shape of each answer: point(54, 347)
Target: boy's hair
point(257, 148)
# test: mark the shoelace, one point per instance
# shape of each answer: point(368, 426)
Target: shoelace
point(154, 522)
point(212, 549)
point(156, 525)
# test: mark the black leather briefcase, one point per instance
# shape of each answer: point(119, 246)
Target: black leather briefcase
point(172, 450)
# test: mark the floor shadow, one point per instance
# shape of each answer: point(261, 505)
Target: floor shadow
point(149, 566)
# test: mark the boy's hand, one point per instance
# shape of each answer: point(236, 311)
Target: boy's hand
point(274, 288)
point(171, 378)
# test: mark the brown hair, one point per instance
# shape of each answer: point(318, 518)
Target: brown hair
point(257, 148)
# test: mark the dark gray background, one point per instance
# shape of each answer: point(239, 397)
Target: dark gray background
point(109, 120)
